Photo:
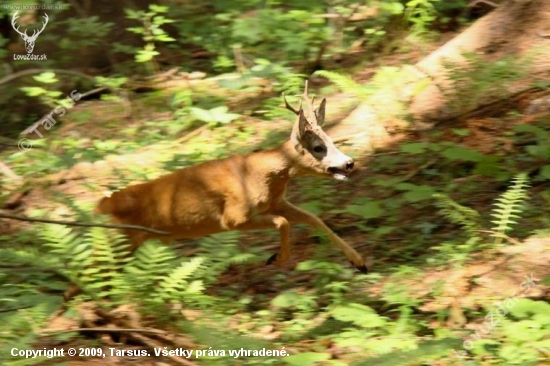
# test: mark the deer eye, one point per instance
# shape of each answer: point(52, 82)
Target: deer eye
point(319, 149)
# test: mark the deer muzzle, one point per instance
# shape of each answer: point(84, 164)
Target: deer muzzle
point(343, 171)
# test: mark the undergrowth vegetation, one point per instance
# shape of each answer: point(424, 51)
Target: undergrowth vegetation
point(452, 217)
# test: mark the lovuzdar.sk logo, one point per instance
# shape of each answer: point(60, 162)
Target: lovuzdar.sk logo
point(29, 40)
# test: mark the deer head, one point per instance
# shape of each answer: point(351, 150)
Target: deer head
point(317, 154)
point(29, 40)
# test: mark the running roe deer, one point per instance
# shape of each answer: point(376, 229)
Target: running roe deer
point(239, 192)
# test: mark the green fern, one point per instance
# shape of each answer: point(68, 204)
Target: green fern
point(32, 256)
point(457, 214)
point(68, 248)
point(150, 264)
point(99, 262)
point(222, 250)
point(346, 84)
point(103, 274)
point(290, 83)
point(508, 207)
point(82, 209)
point(176, 284)
point(506, 211)
point(92, 261)
point(20, 328)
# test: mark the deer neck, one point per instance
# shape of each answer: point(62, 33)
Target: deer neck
point(290, 160)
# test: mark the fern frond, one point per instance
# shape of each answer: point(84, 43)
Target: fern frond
point(58, 237)
point(457, 214)
point(81, 209)
point(29, 256)
point(175, 284)
point(290, 83)
point(150, 264)
point(222, 250)
point(508, 206)
point(68, 246)
point(345, 83)
point(20, 329)
point(103, 272)
point(241, 258)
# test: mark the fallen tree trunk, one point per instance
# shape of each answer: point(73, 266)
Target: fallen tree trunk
point(516, 28)
point(515, 37)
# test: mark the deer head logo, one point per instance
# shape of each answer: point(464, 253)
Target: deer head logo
point(29, 40)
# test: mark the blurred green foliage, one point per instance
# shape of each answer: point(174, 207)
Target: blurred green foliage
point(322, 311)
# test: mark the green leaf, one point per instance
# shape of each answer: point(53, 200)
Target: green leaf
point(415, 192)
point(164, 38)
point(145, 55)
point(307, 358)
point(369, 210)
point(541, 151)
point(46, 78)
point(202, 114)
point(545, 172)
point(539, 132)
point(33, 91)
point(525, 308)
point(286, 300)
point(222, 115)
point(414, 147)
point(137, 30)
point(358, 314)
point(132, 14)
point(215, 115)
point(419, 194)
point(461, 131)
point(158, 8)
point(462, 153)
point(488, 165)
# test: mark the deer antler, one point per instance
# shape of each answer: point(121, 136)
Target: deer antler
point(305, 98)
point(309, 102)
point(13, 19)
point(289, 107)
point(35, 33)
point(305, 90)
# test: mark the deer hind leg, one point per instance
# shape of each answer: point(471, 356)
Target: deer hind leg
point(296, 215)
point(266, 221)
point(135, 239)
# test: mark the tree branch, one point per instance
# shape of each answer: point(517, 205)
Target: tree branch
point(19, 74)
point(84, 224)
point(82, 95)
point(111, 330)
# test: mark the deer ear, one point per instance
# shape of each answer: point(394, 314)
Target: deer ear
point(320, 113)
point(303, 123)
point(300, 127)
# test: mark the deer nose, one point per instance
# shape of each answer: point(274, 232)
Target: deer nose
point(349, 165)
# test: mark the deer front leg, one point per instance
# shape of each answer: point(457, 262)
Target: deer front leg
point(266, 221)
point(296, 215)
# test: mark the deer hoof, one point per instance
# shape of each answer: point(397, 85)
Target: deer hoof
point(272, 259)
point(71, 292)
point(362, 268)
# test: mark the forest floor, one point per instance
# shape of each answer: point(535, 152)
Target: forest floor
point(405, 246)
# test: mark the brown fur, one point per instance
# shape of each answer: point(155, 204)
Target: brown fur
point(241, 192)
